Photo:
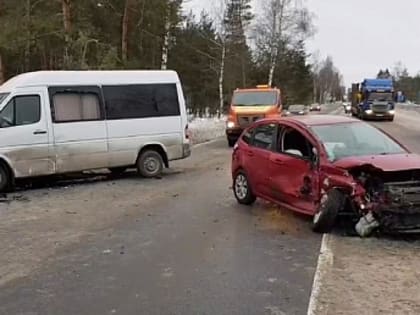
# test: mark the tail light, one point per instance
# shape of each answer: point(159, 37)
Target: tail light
point(187, 133)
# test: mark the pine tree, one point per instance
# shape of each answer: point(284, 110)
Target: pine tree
point(238, 54)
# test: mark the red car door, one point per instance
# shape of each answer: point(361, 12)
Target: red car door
point(294, 178)
point(257, 155)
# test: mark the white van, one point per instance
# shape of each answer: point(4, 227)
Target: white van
point(56, 122)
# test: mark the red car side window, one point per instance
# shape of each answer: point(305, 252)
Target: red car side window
point(246, 137)
point(294, 142)
point(264, 136)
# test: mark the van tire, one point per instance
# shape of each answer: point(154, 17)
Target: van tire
point(5, 180)
point(150, 164)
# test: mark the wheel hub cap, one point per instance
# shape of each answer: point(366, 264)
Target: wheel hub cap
point(151, 165)
point(241, 186)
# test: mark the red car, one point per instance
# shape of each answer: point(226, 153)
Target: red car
point(326, 166)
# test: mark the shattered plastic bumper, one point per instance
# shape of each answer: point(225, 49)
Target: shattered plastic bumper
point(402, 213)
point(397, 210)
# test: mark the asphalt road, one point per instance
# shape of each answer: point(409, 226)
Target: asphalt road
point(192, 250)
point(182, 245)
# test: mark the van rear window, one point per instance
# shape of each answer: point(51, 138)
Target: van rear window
point(141, 101)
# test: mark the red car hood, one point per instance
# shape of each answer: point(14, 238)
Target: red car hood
point(386, 163)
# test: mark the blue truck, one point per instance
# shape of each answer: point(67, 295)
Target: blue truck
point(373, 99)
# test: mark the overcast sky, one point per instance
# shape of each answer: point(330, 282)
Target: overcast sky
point(362, 36)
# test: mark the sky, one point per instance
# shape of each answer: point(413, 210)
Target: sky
point(362, 36)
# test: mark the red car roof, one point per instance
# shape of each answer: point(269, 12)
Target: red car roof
point(314, 120)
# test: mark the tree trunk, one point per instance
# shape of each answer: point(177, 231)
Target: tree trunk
point(66, 8)
point(125, 27)
point(2, 76)
point(165, 46)
point(273, 61)
point(221, 79)
point(29, 35)
point(277, 28)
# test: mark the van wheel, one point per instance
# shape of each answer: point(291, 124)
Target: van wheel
point(331, 204)
point(117, 170)
point(4, 179)
point(150, 164)
point(242, 189)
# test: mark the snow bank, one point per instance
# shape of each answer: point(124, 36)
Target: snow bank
point(206, 129)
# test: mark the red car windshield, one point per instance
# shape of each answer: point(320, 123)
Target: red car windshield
point(355, 139)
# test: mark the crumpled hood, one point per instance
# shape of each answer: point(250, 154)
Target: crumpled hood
point(386, 163)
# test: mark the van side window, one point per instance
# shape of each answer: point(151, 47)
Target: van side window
point(73, 106)
point(141, 101)
point(21, 110)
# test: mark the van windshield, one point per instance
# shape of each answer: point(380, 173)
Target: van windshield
point(262, 98)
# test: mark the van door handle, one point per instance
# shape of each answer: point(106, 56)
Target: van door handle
point(40, 132)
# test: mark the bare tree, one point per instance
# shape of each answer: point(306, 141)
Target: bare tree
point(171, 8)
point(283, 22)
point(399, 70)
point(220, 19)
point(316, 65)
point(329, 81)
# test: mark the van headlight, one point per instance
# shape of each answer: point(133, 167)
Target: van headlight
point(230, 124)
point(391, 112)
point(368, 111)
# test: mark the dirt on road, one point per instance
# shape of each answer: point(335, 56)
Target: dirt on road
point(37, 223)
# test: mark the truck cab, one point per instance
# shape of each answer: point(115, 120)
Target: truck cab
point(250, 105)
point(374, 99)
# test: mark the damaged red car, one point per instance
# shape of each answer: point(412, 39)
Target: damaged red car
point(329, 166)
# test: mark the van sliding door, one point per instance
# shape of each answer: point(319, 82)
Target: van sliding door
point(80, 137)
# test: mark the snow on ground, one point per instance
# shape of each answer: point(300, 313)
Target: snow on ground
point(207, 129)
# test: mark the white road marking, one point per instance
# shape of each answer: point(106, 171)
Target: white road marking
point(325, 261)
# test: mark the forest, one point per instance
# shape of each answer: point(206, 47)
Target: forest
point(233, 46)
